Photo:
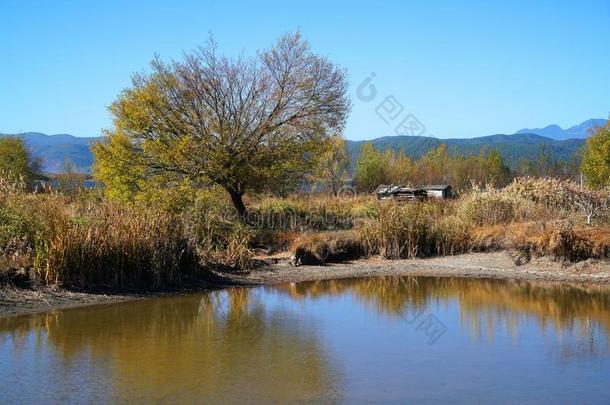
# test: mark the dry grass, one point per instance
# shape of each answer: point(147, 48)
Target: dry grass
point(83, 245)
point(116, 247)
point(498, 207)
point(87, 242)
point(415, 230)
point(530, 217)
point(550, 193)
point(309, 212)
point(561, 240)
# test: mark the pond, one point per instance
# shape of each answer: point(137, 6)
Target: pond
point(390, 339)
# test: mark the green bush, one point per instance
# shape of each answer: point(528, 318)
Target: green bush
point(15, 232)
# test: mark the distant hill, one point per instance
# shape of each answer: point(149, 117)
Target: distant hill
point(558, 143)
point(576, 132)
point(53, 150)
point(513, 148)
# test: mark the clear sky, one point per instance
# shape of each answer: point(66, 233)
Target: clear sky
point(462, 69)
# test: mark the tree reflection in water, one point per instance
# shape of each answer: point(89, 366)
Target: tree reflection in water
point(485, 305)
point(239, 344)
point(215, 346)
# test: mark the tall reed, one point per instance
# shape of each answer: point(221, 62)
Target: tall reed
point(414, 230)
point(118, 247)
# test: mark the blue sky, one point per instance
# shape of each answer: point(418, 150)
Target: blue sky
point(462, 69)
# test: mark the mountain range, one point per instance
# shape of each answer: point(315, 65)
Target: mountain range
point(54, 149)
point(558, 143)
point(553, 131)
point(513, 148)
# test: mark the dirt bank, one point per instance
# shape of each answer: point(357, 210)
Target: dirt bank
point(16, 301)
point(473, 265)
point(19, 301)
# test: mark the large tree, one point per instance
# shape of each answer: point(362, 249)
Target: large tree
point(596, 158)
point(242, 123)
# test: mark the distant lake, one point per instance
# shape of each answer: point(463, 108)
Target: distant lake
point(390, 339)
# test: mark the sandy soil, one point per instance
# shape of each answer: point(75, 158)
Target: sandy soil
point(15, 301)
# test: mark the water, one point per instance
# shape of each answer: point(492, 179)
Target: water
point(422, 340)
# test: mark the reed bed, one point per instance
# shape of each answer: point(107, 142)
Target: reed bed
point(97, 244)
point(87, 242)
point(531, 217)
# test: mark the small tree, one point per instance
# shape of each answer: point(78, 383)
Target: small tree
point(596, 158)
point(497, 172)
point(333, 165)
point(16, 161)
point(592, 203)
point(244, 123)
point(434, 165)
point(371, 168)
point(70, 180)
point(399, 167)
point(119, 166)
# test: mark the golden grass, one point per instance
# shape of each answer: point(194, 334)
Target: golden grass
point(85, 241)
point(88, 244)
point(561, 240)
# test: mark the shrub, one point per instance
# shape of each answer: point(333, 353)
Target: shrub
point(496, 207)
point(84, 241)
point(228, 247)
point(14, 232)
point(326, 247)
point(86, 244)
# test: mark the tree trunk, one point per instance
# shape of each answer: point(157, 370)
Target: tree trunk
point(335, 187)
point(238, 203)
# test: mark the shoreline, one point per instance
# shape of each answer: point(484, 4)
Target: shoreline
point(490, 265)
point(495, 265)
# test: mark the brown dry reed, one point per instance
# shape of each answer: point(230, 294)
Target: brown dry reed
point(87, 242)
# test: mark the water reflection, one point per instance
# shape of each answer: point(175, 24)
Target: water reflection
point(215, 346)
point(291, 342)
point(485, 306)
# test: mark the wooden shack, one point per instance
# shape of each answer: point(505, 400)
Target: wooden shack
point(441, 191)
point(400, 193)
